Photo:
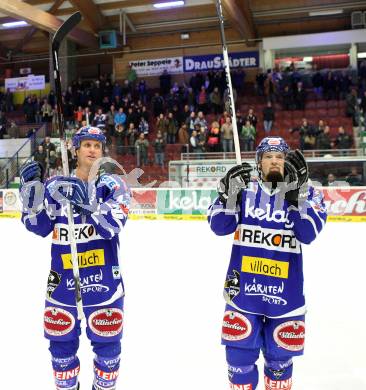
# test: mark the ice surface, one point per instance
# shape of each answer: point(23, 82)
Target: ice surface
point(174, 273)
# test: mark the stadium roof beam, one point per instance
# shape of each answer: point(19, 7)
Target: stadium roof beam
point(241, 18)
point(28, 36)
point(43, 20)
point(91, 13)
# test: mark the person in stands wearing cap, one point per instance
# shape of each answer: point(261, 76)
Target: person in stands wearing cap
point(100, 208)
point(270, 216)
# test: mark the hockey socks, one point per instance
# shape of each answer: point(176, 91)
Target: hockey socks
point(278, 374)
point(65, 371)
point(106, 371)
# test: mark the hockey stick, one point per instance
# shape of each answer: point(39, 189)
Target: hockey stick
point(60, 34)
point(228, 80)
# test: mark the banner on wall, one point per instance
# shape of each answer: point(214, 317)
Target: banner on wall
point(155, 67)
point(29, 83)
point(204, 63)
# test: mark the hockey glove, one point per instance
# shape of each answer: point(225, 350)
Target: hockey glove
point(31, 187)
point(296, 177)
point(32, 171)
point(230, 186)
point(75, 191)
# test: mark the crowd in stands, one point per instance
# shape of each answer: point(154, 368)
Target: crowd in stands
point(195, 115)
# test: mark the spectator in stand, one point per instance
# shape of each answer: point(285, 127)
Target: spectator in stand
point(362, 75)
point(120, 117)
point(239, 120)
point(40, 156)
point(172, 129)
point(287, 99)
point(144, 127)
point(345, 83)
point(354, 178)
point(259, 82)
point(13, 130)
point(48, 146)
point(51, 163)
point(8, 101)
point(142, 90)
point(269, 87)
point(200, 120)
point(343, 141)
point(131, 137)
point(120, 137)
point(183, 136)
point(131, 77)
point(165, 82)
point(320, 127)
point(268, 118)
point(239, 76)
point(159, 147)
point(145, 114)
point(252, 118)
point(190, 122)
point(360, 121)
point(213, 138)
point(329, 87)
point(29, 110)
point(351, 103)
point(227, 136)
point(317, 81)
point(157, 104)
point(162, 126)
point(110, 119)
point(78, 116)
point(191, 99)
point(247, 137)
point(216, 101)
point(202, 100)
point(323, 140)
point(193, 141)
point(100, 121)
point(37, 109)
point(202, 140)
point(299, 97)
point(331, 181)
point(142, 145)
point(227, 101)
point(117, 90)
point(88, 116)
point(307, 135)
point(363, 101)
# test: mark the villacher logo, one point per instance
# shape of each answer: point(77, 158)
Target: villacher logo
point(235, 326)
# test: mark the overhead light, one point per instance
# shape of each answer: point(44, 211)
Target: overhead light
point(19, 23)
point(169, 4)
point(308, 59)
point(326, 12)
point(361, 55)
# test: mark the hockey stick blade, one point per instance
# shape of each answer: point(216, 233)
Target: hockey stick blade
point(65, 29)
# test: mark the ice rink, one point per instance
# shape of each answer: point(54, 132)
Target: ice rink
point(174, 273)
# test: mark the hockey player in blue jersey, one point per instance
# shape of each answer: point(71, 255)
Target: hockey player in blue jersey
point(270, 217)
point(100, 208)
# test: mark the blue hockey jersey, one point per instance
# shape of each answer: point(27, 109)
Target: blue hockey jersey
point(97, 243)
point(265, 274)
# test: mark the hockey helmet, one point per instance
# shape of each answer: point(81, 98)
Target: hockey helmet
point(88, 132)
point(270, 144)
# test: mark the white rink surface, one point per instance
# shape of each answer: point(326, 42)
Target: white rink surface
point(174, 273)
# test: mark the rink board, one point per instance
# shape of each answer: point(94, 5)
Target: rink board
point(344, 204)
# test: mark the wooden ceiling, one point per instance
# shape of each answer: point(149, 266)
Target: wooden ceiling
point(248, 20)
